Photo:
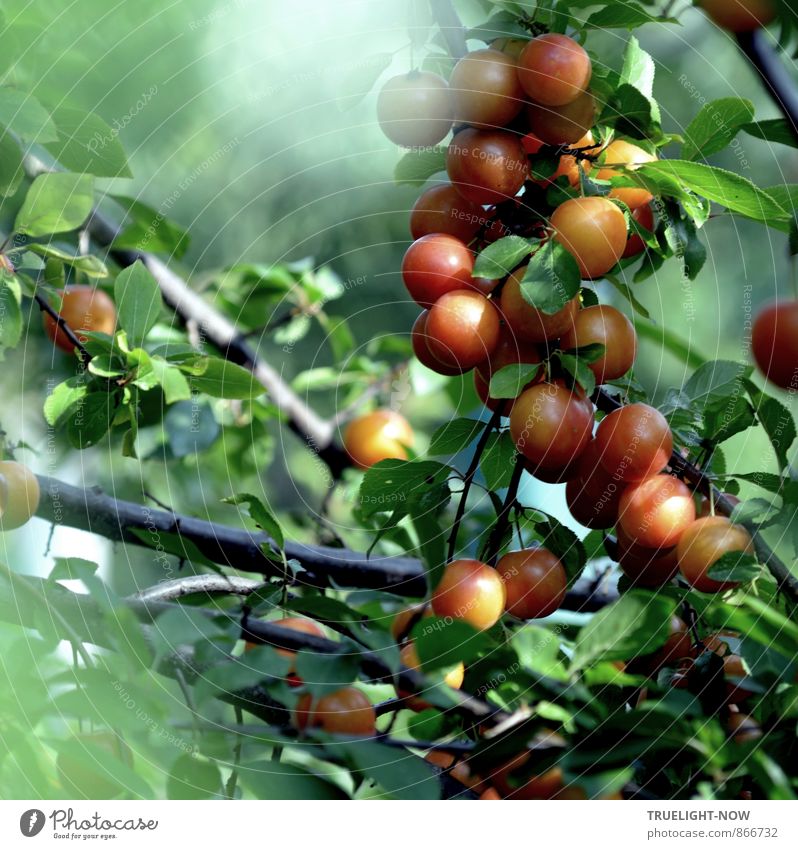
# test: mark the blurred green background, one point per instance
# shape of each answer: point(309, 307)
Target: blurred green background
point(242, 124)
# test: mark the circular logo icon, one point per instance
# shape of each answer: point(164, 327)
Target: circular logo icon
point(31, 822)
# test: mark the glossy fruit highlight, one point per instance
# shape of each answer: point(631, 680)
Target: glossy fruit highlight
point(376, 436)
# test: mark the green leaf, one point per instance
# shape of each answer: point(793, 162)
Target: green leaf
point(735, 566)
point(500, 258)
point(637, 624)
point(10, 312)
point(138, 302)
point(89, 265)
point(551, 279)
point(731, 190)
point(579, 369)
point(509, 381)
point(194, 777)
point(171, 379)
point(150, 230)
point(190, 426)
point(72, 569)
point(276, 781)
point(25, 116)
point(90, 419)
point(455, 436)
point(62, 401)
point(442, 643)
point(395, 483)
point(12, 169)
point(326, 673)
point(417, 166)
point(715, 125)
point(776, 419)
point(777, 130)
point(400, 774)
point(55, 203)
point(431, 536)
point(625, 15)
point(638, 67)
point(498, 461)
point(86, 143)
point(565, 544)
point(715, 380)
point(222, 379)
point(260, 514)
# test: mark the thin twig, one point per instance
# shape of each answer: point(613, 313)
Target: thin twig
point(468, 480)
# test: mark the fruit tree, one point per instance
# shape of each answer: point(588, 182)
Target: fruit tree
point(448, 532)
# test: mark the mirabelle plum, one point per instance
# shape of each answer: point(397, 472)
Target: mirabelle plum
point(774, 343)
point(21, 489)
point(420, 342)
point(593, 230)
point(470, 591)
point(740, 15)
point(381, 435)
point(554, 70)
point(462, 329)
point(486, 89)
point(551, 425)
point(434, 265)
point(486, 166)
point(535, 582)
point(654, 513)
point(620, 156)
point(559, 125)
point(442, 209)
point(703, 544)
point(415, 109)
point(635, 442)
point(607, 326)
point(346, 711)
point(85, 310)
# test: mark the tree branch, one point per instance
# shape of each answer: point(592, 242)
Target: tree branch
point(777, 80)
point(223, 335)
point(238, 548)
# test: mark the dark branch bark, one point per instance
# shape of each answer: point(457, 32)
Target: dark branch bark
point(238, 548)
point(775, 76)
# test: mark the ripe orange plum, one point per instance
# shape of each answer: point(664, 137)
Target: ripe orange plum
point(442, 209)
point(559, 125)
point(620, 156)
point(415, 109)
point(655, 512)
point(346, 711)
point(551, 425)
point(593, 497)
point(486, 166)
point(635, 442)
point(607, 326)
point(554, 70)
point(462, 329)
point(470, 591)
point(593, 230)
point(703, 544)
point(420, 342)
point(486, 89)
point(434, 265)
point(381, 435)
point(22, 493)
point(740, 15)
point(644, 216)
point(535, 582)
point(774, 343)
point(85, 310)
